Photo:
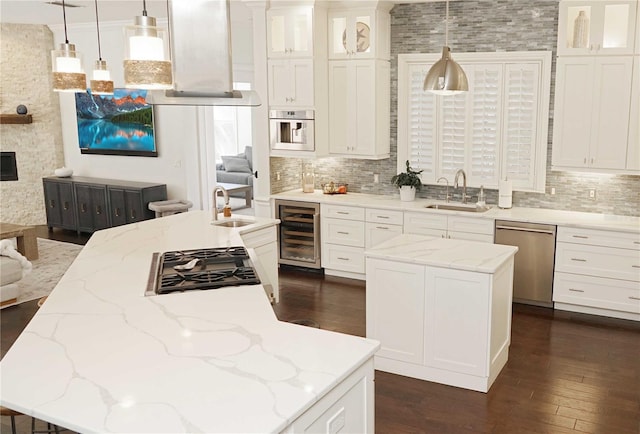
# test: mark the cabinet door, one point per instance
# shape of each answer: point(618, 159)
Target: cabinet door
point(291, 82)
point(633, 145)
point(134, 206)
point(376, 233)
point(457, 320)
point(290, 32)
point(425, 224)
point(343, 232)
point(572, 111)
point(596, 27)
point(91, 207)
point(364, 107)
point(395, 309)
point(279, 82)
point(341, 99)
point(117, 207)
point(352, 34)
point(52, 203)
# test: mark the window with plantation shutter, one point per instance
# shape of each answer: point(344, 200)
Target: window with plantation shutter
point(496, 130)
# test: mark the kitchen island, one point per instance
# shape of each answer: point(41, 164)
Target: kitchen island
point(101, 356)
point(441, 308)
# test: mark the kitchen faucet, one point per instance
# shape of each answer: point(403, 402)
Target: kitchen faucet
point(447, 193)
point(464, 184)
point(215, 201)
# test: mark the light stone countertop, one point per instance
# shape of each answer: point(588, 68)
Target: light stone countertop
point(530, 215)
point(444, 252)
point(99, 356)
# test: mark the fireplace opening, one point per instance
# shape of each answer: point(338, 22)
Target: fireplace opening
point(8, 167)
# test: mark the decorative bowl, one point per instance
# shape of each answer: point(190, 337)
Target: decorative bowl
point(63, 172)
point(334, 188)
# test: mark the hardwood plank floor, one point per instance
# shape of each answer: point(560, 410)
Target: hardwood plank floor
point(567, 373)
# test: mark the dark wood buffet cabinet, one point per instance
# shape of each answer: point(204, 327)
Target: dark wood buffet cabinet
point(88, 204)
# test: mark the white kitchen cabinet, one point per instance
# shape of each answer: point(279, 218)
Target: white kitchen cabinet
point(342, 234)
point(592, 102)
point(290, 32)
point(347, 408)
point(597, 272)
point(290, 83)
point(265, 244)
point(633, 146)
point(359, 33)
point(610, 27)
point(359, 102)
point(395, 306)
point(381, 225)
point(449, 226)
point(438, 324)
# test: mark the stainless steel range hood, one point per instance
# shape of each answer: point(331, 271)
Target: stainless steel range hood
point(200, 38)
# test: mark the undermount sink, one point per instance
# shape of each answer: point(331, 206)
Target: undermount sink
point(231, 223)
point(465, 208)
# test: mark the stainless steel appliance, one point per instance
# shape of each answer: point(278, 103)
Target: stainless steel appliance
point(292, 130)
point(533, 266)
point(198, 269)
point(299, 233)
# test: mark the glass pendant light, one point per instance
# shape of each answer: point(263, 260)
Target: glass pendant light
point(146, 57)
point(446, 77)
point(66, 65)
point(101, 83)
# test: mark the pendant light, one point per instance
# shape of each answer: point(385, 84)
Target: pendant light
point(101, 83)
point(146, 57)
point(66, 65)
point(446, 77)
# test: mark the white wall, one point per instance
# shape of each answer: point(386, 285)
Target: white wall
point(183, 134)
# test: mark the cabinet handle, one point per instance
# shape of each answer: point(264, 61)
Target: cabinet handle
point(98, 210)
point(585, 160)
point(578, 259)
point(636, 266)
point(133, 214)
point(343, 259)
point(343, 233)
point(381, 227)
point(580, 236)
point(117, 212)
point(576, 290)
point(592, 161)
point(83, 207)
point(636, 242)
point(634, 298)
point(383, 216)
point(66, 205)
point(52, 203)
point(342, 212)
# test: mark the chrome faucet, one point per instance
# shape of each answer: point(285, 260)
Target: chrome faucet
point(215, 200)
point(447, 197)
point(464, 184)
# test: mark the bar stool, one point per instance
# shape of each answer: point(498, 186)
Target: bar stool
point(170, 207)
point(4, 411)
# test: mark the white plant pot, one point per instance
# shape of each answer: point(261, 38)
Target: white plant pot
point(407, 193)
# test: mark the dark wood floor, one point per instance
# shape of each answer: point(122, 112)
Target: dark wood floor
point(567, 373)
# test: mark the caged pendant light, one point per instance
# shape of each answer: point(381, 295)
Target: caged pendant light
point(66, 65)
point(101, 82)
point(146, 57)
point(446, 77)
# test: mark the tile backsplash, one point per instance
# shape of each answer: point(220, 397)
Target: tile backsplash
point(475, 25)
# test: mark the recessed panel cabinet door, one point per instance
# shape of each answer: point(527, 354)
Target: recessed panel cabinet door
point(279, 83)
point(340, 128)
point(92, 207)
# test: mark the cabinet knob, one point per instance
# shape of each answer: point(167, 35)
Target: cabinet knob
point(117, 212)
point(133, 214)
point(98, 210)
point(52, 203)
point(66, 205)
point(83, 207)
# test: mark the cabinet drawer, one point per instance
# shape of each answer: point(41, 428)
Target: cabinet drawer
point(376, 233)
point(343, 232)
point(343, 258)
point(469, 236)
point(598, 261)
point(598, 292)
point(624, 240)
point(384, 216)
point(424, 224)
point(342, 212)
point(470, 224)
point(260, 237)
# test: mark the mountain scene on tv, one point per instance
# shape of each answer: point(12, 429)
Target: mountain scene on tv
point(118, 124)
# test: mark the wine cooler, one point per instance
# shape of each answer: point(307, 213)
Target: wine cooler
point(299, 236)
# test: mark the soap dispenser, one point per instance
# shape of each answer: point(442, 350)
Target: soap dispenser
point(481, 199)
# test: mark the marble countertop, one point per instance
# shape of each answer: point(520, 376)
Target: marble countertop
point(99, 356)
point(443, 252)
point(530, 215)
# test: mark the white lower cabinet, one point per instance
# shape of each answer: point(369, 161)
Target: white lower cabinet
point(439, 324)
point(347, 408)
point(451, 226)
point(265, 243)
point(597, 272)
point(381, 225)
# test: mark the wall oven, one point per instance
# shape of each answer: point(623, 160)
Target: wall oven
point(292, 130)
point(299, 233)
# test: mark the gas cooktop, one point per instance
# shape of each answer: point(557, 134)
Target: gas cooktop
point(186, 270)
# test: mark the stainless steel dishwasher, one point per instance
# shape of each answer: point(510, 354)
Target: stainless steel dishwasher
point(533, 266)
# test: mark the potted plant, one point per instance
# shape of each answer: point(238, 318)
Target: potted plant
point(408, 182)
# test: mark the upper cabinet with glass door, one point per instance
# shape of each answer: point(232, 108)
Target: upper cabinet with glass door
point(290, 31)
point(359, 33)
point(597, 27)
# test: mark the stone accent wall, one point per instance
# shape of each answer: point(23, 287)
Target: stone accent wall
point(25, 78)
point(474, 26)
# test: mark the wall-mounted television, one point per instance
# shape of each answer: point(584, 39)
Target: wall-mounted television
point(118, 124)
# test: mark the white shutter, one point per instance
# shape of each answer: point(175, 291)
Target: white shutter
point(485, 90)
point(422, 125)
point(453, 134)
point(520, 128)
